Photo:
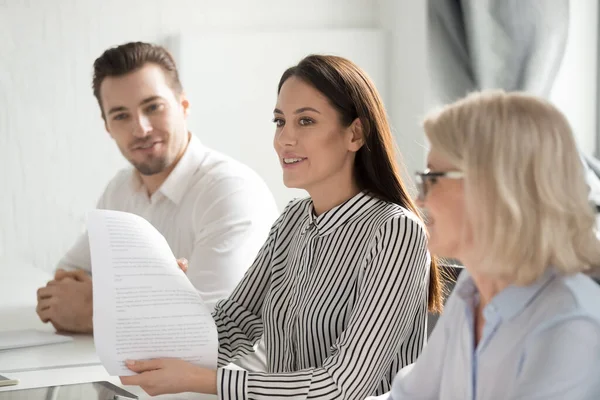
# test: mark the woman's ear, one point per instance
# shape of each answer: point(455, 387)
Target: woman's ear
point(357, 138)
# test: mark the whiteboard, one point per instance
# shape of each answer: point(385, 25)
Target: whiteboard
point(231, 81)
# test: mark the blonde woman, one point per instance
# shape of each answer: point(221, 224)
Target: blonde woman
point(504, 192)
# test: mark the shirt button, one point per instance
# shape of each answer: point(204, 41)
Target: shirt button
point(490, 311)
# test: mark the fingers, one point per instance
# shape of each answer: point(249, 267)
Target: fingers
point(42, 315)
point(81, 275)
point(78, 275)
point(58, 328)
point(45, 304)
point(45, 292)
point(144, 365)
point(131, 380)
point(183, 264)
point(60, 274)
point(149, 381)
point(44, 310)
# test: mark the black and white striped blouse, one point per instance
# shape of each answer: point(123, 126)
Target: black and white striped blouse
point(341, 300)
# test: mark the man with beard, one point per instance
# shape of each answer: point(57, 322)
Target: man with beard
point(212, 210)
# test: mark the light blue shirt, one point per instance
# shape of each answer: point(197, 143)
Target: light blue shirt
point(539, 342)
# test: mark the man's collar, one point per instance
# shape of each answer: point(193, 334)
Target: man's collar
point(178, 181)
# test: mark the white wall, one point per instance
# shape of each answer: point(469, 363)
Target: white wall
point(55, 156)
point(406, 21)
point(575, 90)
point(233, 92)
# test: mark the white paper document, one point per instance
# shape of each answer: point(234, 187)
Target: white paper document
point(29, 338)
point(144, 305)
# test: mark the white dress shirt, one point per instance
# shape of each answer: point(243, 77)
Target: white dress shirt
point(340, 300)
point(212, 210)
point(539, 342)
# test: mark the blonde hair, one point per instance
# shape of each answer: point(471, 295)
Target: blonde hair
point(526, 196)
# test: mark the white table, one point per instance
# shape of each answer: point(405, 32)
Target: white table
point(51, 365)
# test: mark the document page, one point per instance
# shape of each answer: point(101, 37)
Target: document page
point(144, 305)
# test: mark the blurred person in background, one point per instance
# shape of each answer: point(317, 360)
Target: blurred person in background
point(523, 321)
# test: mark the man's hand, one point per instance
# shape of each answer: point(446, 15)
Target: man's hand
point(66, 302)
point(183, 264)
point(77, 274)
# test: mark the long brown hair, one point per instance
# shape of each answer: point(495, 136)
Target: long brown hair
point(354, 95)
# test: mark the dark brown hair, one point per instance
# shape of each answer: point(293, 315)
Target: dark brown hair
point(129, 57)
point(354, 95)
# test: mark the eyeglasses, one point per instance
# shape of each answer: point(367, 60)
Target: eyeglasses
point(427, 178)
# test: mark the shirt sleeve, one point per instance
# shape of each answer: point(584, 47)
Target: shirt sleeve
point(421, 380)
point(561, 362)
point(399, 375)
point(386, 396)
point(79, 256)
point(392, 289)
point(228, 234)
point(238, 318)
